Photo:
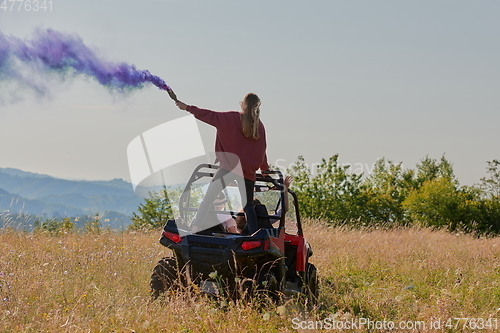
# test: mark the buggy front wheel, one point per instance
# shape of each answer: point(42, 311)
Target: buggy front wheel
point(312, 291)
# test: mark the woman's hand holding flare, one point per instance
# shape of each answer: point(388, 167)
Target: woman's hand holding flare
point(181, 105)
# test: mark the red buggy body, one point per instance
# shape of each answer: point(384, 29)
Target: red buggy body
point(273, 260)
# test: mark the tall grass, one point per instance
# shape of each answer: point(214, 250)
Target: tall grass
point(99, 282)
point(408, 272)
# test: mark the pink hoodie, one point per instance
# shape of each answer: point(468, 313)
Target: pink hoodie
point(230, 139)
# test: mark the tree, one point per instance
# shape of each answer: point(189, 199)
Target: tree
point(490, 204)
point(332, 193)
point(491, 185)
point(430, 168)
point(153, 213)
point(385, 189)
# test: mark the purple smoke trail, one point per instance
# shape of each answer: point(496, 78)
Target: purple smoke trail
point(66, 55)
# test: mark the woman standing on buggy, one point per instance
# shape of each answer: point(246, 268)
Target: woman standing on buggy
point(240, 147)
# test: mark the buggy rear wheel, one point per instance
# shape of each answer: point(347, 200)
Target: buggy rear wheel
point(268, 286)
point(261, 286)
point(165, 277)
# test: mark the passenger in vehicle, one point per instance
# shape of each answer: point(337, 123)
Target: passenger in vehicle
point(227, 221)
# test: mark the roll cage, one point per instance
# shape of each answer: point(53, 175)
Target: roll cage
point(269, 181)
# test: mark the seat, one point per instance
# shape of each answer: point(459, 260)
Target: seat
point(263, 220)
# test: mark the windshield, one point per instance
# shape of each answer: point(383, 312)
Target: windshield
point(193, 197)
point(229, 202)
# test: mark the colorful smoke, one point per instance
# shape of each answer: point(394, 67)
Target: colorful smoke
point(32, 62)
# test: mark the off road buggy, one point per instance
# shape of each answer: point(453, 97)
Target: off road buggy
point(274, 260)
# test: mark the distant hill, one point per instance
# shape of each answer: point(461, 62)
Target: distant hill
point(14, 203)
point(21, 173)
point(122, 204)
point(34, 186)
point(48, 197)
point(21, 212)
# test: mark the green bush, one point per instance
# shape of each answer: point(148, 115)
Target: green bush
point(54, 226)
point(436, 203)
point(429, 195)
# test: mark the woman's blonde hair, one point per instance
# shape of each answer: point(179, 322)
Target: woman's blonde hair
point(250, 107)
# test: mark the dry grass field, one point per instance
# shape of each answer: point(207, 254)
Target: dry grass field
point(99, 283)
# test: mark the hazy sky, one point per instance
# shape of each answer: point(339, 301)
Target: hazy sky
point(365, 79)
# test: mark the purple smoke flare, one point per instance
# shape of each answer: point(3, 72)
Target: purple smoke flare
point(65, 55)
